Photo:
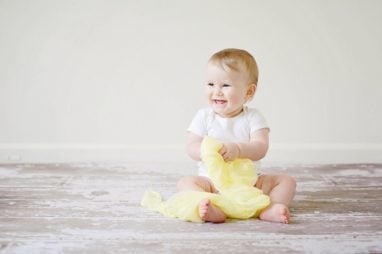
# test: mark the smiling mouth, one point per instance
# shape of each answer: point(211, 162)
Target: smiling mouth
point(219, 101)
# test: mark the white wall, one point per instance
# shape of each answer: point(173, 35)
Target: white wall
point(121, 80)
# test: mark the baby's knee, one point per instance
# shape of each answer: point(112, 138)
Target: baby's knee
point(196, 183)
point(291, 181)
point(184, 182)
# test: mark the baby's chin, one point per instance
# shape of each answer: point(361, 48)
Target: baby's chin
point(218, 107)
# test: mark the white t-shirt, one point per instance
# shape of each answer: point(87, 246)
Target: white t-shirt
point(236, 129)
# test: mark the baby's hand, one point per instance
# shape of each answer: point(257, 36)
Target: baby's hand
point(230, 151)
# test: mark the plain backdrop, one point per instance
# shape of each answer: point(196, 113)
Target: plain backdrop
point(114, 80)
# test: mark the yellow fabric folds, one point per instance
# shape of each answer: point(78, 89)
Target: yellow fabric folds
point(237, 197)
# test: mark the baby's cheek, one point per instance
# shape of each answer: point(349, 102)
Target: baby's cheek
point(236, 100)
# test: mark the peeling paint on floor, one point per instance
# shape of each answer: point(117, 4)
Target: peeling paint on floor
point(94, 208)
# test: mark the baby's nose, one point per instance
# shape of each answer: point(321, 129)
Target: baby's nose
point(218, 91)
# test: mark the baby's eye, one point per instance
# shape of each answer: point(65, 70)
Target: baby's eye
point(210, 84)
point(226, 85)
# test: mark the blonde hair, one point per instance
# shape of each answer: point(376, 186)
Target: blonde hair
point(236, 59)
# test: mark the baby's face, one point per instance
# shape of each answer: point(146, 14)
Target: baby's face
point(226, 91)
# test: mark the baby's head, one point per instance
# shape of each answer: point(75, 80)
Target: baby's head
point(238, 60)
point(232, 76)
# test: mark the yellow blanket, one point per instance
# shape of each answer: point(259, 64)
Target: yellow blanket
point(237, 197)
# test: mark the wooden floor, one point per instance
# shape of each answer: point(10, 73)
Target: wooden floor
point(94, 208)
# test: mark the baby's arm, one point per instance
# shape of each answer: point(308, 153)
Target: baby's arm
point(255, 149)
point(194, 143)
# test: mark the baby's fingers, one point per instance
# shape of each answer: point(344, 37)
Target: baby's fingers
point(222, 151)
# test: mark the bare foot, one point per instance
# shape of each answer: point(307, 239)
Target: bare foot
point(208, 212)
point(276, 213)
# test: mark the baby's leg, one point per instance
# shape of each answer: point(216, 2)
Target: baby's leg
point(197, 183)
point(207, 211)
point(281, 190)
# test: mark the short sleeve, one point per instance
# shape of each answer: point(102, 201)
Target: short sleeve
point(256, 120)
point(198, 124)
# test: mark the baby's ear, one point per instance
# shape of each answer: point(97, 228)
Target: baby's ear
point(251, 91)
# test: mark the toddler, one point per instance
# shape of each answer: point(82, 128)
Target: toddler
point(231, 82)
